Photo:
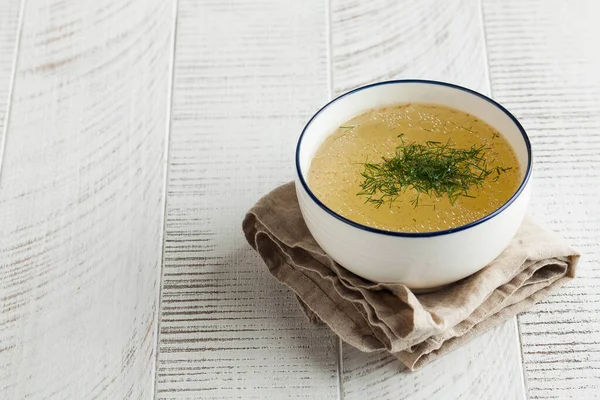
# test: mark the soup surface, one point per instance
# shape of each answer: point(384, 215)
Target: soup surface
point(414, 168)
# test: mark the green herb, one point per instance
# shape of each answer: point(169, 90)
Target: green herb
point(433, 168)
point(347, 126)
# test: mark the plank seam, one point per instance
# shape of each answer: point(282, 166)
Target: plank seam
point(329, 50)
point(524, 382)
point(164, 199)
point(11, 83)
point(486, 59)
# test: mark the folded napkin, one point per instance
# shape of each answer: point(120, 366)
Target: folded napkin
point(416, 328)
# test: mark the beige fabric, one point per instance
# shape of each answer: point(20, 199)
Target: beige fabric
point(416, 328)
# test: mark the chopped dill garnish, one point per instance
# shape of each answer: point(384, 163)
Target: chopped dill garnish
point(432, 168)
point(347, 126)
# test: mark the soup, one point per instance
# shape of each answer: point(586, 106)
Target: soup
point(414, 168)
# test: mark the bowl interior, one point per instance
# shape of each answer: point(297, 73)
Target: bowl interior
point(340, 110)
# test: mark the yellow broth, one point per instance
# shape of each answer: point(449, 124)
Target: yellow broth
point(335, 172)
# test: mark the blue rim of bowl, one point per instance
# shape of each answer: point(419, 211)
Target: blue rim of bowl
point(420, 234)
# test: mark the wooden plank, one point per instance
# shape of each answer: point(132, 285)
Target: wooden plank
point(442, 40)
point(544, 65)
point(248, 75)
point(81, 200)
point(486, 368)
point(9, 28)
point(386, 39)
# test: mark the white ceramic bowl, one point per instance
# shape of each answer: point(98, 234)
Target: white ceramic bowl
point(419, 260)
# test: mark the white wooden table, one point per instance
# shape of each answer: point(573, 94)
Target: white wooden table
point(136, 133)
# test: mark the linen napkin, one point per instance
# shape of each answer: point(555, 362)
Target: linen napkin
point(416, 328)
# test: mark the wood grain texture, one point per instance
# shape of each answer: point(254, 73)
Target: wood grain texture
point(9, 21)
point(441, 40)
point(248, 75)
point(544, 65)
point(81, 200)
point(472, 372)
point(385, 39)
